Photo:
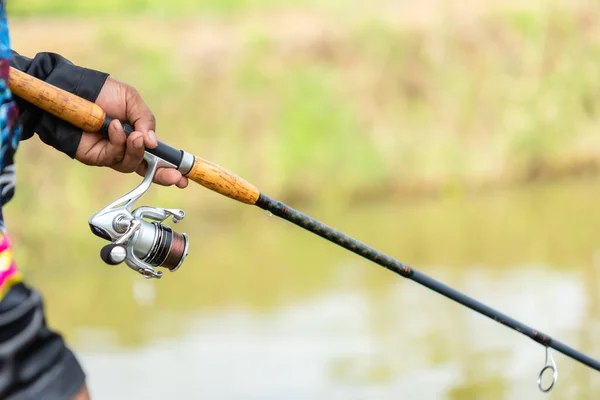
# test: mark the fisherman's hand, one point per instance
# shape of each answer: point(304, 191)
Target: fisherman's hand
point(117, 151)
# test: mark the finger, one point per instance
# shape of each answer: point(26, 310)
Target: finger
point(115, 148)
point(134, 153)
point(170, 176)
point(165, 176)
point(142, 117)
point(183, 182)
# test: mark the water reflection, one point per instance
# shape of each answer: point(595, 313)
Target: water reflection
point(400, 342)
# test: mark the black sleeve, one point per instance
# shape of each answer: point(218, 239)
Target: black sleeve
point(60, 72)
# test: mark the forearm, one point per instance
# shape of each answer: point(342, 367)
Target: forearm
point(58, 71)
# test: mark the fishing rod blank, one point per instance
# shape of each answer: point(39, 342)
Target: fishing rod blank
point(296, 217)
point(90, 117)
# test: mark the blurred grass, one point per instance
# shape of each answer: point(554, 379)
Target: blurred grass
point(364, 103)
point(109, 7)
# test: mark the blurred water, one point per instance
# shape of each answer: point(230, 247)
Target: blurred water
point(264, 310)
point(327, 348)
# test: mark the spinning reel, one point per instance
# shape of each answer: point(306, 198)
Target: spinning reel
point(141, 244)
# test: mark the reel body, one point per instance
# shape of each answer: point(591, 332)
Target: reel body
point(142, 244)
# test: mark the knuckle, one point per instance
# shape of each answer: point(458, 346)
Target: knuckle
point(132, 137)
point(131, 91)
point(128, 166)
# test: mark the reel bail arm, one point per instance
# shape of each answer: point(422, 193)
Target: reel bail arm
point(142, 245)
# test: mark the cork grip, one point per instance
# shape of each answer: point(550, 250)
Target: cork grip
point(220, 180)
point(62, 104)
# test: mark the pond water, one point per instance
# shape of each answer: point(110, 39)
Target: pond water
point(265, 310)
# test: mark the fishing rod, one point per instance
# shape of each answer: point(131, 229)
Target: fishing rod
point(144, 245)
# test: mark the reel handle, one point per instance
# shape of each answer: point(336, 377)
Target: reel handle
point(113, 254)
point(90, 117)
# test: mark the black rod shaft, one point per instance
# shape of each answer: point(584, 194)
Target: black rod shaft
point(296, 217)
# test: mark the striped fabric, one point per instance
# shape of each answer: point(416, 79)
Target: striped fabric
point(9, 274)
point(10, 129)
point(9, 140)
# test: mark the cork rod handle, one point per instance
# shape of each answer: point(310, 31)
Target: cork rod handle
point(71, 108)
point(222, 181)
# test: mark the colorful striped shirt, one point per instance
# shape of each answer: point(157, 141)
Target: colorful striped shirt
point(9, 140)
point(9, 274)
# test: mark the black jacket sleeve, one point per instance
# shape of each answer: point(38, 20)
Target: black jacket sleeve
point(60, 72)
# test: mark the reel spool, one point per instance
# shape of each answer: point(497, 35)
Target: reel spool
point(143, 245)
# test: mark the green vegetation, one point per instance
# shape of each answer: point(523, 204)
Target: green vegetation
point(109, 7)
point(365, 104)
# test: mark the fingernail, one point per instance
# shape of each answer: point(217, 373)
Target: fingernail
point(138, 143)
point(152, 137)
point(118, 125)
